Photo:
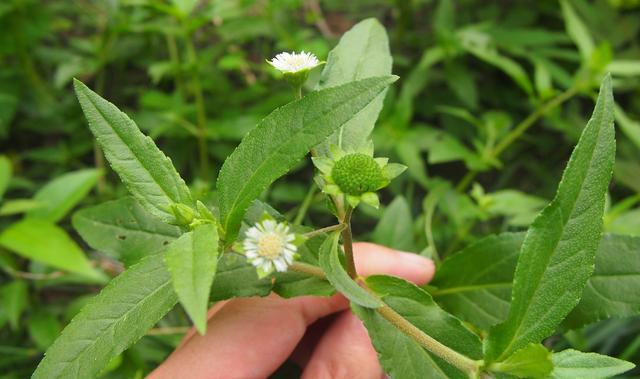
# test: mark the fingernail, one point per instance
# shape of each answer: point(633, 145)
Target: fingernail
point(424, 264)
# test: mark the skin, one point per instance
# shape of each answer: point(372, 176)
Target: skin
point(250, 338)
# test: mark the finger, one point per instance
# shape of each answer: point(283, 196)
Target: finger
point(374, 259)
point(344, 351)
point(248, 338)
point(251, 337)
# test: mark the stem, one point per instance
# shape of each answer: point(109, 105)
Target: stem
point(168, 330)
point(307, 269)
point(460, 361)
point(297, 92)
point(347, 242)
point(327, 229)
point(518, 131)
point(203, 153)
point(304, 207)
point(172, 48)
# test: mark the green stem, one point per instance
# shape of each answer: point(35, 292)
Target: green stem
point(518, 131)
point(304, 207)
point(324, 230)
point(200, 108)
point(347, 242)
point(174, 56)
point(297, 91)
point(462, 362)
point(308, 269)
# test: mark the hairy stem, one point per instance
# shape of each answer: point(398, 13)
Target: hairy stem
point(462, 362)
point(327, 229)
point(347, 242)
point(308, 269)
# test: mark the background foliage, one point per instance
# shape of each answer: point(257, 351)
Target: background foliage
point(192, 75)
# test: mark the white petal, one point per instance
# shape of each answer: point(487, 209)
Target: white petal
point(281, 265)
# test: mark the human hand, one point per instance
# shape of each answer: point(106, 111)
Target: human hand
point(249, 338)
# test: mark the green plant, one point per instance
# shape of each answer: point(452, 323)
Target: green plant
point(541, 275)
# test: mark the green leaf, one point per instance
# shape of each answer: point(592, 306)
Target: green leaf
point(624, 68)
point(14, 299)
point(532, 361)
point(558, 253)
point(401, 356)
point(578, 31)
point(47, 243)
point(192, 261)
point(123, 228)
point(282, 139)
point(395, 228)
point(5, 174)
point(236, 277)
point(614, 288)
point(291, 284)
point(17, 206)
point(44, 328)
point(628, 126)
point(146, 172)
point(111, 322)
point(338, 277)
point(475, 284)
point(362, 52)
point(571, 364)
point(61, 194)
point(482, 296)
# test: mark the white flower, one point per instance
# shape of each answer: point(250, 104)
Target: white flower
point(268, 246)
point(294, 62)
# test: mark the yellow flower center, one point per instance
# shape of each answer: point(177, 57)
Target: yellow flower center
point(270, 246)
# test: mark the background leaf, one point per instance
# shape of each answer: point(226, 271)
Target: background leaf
point(148, 174)
point(395, 228)
point(5, 174)
point(192, 261)
point(282, 139)
point(61, 194)
point(532, 361)
point(562, 239)
point(47, 243)
point(362, 52)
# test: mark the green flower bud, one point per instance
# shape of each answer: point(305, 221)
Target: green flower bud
point(183, 213)
point(357, 173)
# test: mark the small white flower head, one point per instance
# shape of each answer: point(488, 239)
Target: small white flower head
point(289, 63)
point(269, 246)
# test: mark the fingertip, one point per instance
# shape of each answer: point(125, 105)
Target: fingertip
point(374, 259)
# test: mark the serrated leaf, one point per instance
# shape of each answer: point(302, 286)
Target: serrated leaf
point(192, 261)
point(571, 364)
point(558, 253)
point(282, 139)
point(401, 356)
point(338, 277)
point(236, 277)
point(362, 52)
point(123, 229)
point(47, 243)
point(111, 322)
point(532, 361)
point(61, 194)
point(146, 172)
point(482, 296)
point(395, 228)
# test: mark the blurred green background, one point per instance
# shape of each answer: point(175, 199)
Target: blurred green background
point(492, 97)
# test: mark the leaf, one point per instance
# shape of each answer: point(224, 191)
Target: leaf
point(614, 288)
point(532, 361)
point(395, 228)
point(558, 253)
point(146, 172)
point(291, 284)
point(628, 126)
point(362, 52)
point(5, 174)
point(192, 261)
point(624, 68)
point(578, 31)
point(570, 364)
point(401, 356)
point(62, 193)
point(338, 277)
point(475, 284)
point(45, 242)
point(14, 300)
point(282, 139)
point(44, 328)
point(111, 322)
point(236, 277)
point(123, 229)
